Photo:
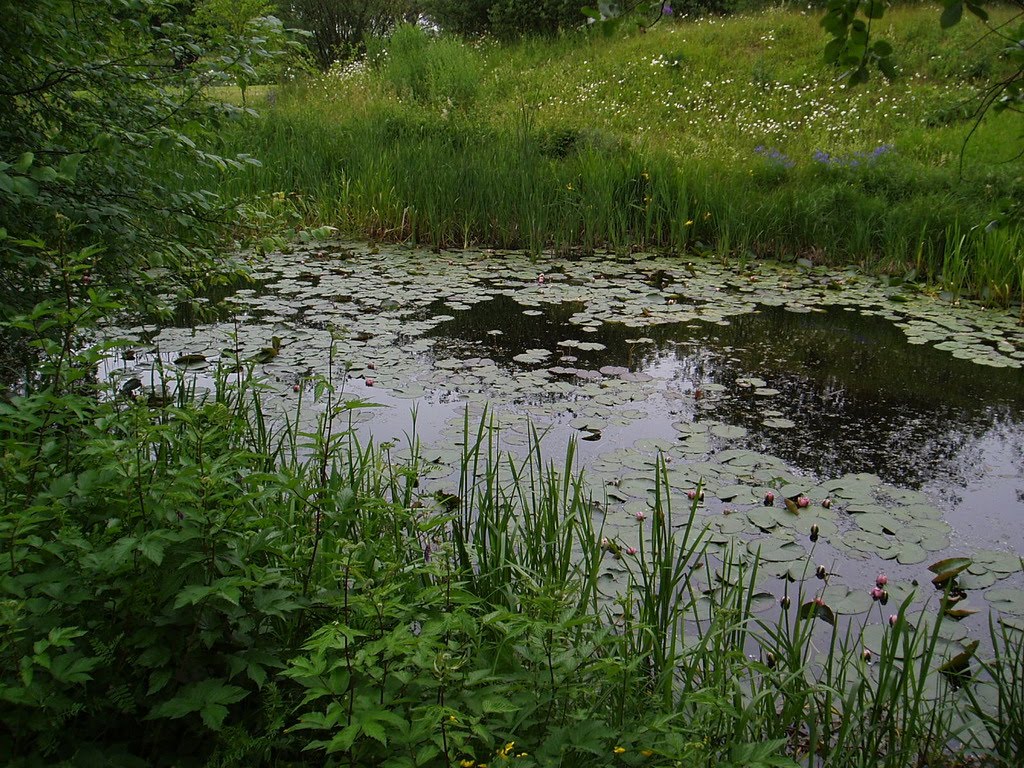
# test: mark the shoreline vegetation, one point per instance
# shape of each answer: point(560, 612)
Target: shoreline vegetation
point(721, 135)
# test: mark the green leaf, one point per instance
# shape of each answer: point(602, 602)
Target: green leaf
point(152, 548)
point(209, 698)
point(947, 569)
point(23, 163)
point(375, 730)
point(960, 663)
point(814, 610)
point(874, 9)
point(72, 668)
point(977, 10)
point(952, 14)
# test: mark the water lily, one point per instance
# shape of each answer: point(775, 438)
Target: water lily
point(881, 580)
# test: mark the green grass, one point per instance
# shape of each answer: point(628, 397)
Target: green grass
point(706, 134)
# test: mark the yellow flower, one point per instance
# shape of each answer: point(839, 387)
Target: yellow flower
point(452, 719)
point(619, 750)
point(467, 763)
point(689, 222)
point(647, 752)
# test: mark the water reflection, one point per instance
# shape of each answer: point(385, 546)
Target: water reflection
point(861, 396)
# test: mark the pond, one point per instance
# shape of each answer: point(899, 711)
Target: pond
point(897, 414)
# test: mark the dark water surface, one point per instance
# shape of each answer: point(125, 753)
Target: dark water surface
point(831, 377)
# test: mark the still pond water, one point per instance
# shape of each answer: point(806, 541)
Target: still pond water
point(904, 409)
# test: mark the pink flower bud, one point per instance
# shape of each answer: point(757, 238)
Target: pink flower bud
point(769, 499)
point(821, 572)
point(876, 593)
point(631, 550)
point(641, 516)
point(893, 619)
point(881, 580)
point(803, 502)
point(826, 503)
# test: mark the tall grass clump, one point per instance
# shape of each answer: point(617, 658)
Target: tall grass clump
point(437, 71)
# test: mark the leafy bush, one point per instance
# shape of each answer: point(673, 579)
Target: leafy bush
point(82, 117)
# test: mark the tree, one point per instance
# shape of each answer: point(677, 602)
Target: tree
point(339, 28)
point(95, 97)
point(224, 20)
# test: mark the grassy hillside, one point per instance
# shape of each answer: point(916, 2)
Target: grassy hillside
point(725, 134)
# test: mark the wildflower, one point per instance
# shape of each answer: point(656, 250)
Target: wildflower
point(619, 750)
point(689, 223)
point(641, 516)
point(647, 752)
point(893, 618)
point(631, 550)
point(876, 593)
point(467, 763)
point(881, 580)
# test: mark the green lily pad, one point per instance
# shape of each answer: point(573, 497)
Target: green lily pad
point(728, 431)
